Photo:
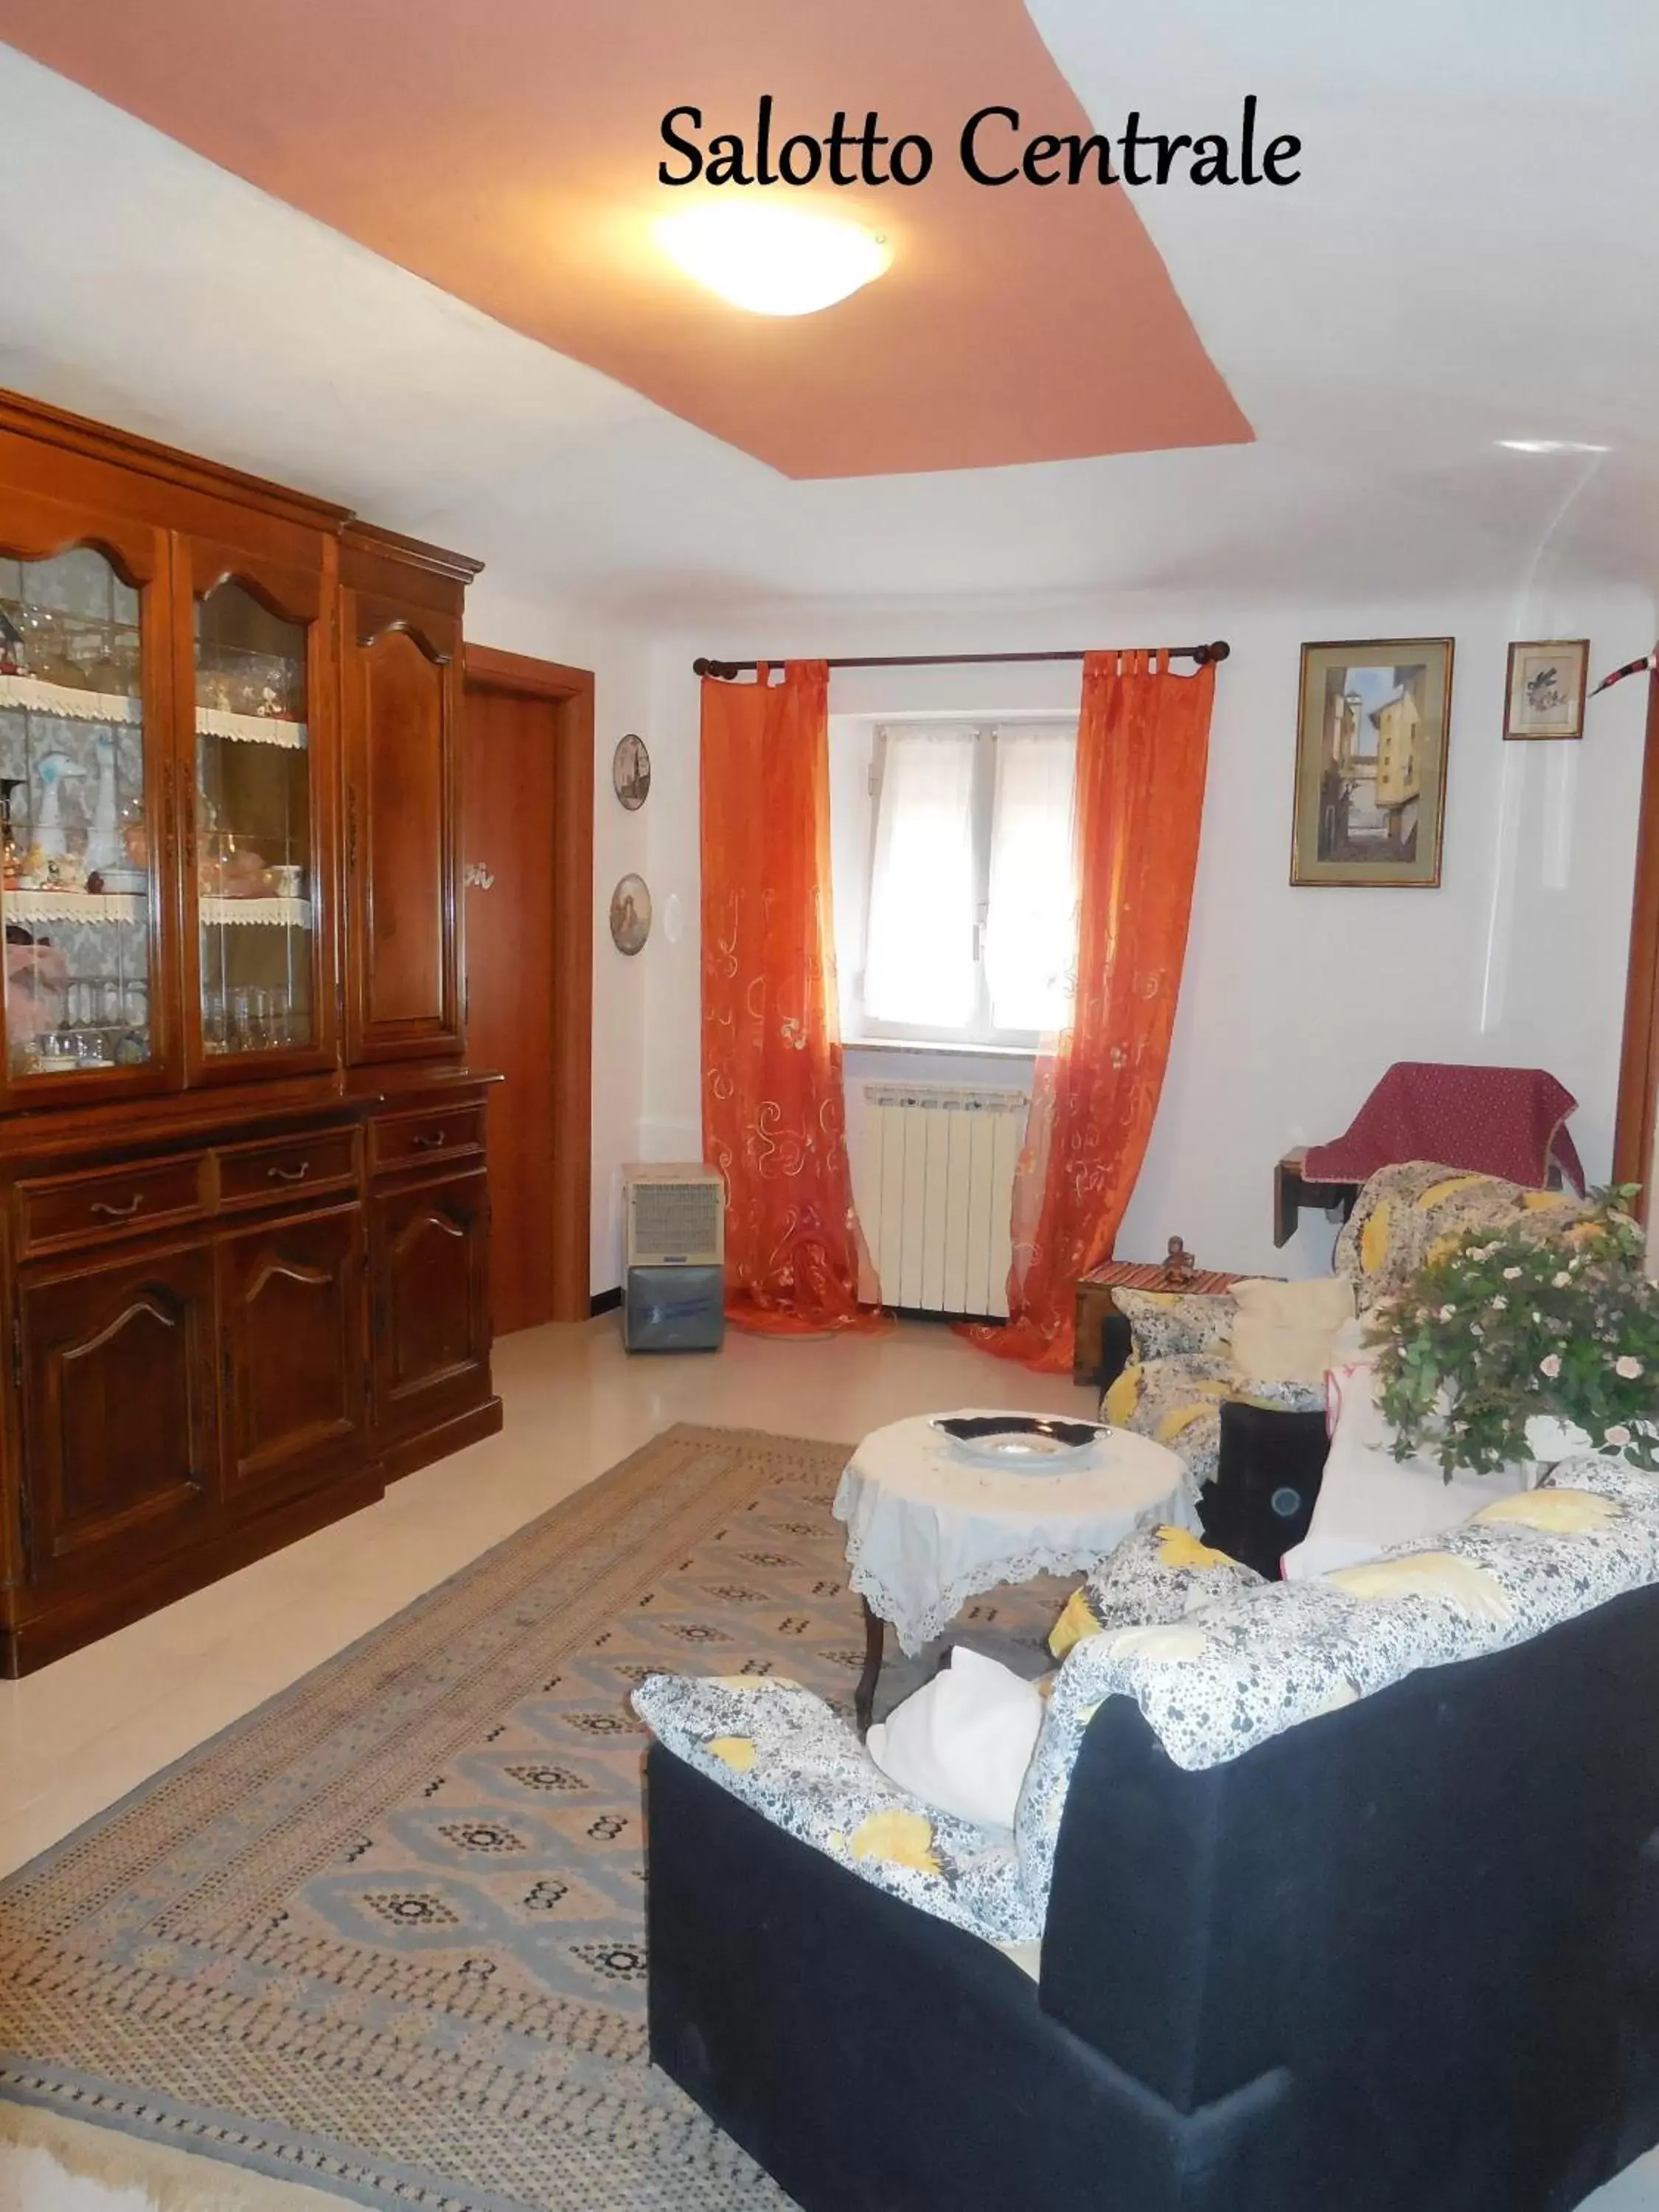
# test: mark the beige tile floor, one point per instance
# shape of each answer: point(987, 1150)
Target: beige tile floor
point(80, 1734)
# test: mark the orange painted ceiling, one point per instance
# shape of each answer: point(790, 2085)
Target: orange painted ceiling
point(506, 150)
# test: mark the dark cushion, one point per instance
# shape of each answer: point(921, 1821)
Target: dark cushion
point(1271, 1466)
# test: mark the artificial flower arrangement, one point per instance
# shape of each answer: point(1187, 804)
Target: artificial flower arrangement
point(1497, 1330)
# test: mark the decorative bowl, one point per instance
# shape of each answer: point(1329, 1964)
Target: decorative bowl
point(1031, 1443)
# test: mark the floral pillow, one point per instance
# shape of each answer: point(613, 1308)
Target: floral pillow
point(1155, 1576)
point(1166, 1324)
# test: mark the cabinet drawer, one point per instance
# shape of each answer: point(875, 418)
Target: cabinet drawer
point(293, 1167)
point(86, 1209)
point(442, 1133)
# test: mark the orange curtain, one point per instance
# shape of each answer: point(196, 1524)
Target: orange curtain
point(773, 1112)
point(1143, 745)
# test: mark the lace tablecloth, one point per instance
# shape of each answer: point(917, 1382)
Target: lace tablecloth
point(925, 1531)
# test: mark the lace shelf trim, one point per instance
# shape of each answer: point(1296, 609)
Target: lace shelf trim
point(251, 729)
point(68, 703)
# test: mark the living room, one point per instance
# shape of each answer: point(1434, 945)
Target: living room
point(1153, 602)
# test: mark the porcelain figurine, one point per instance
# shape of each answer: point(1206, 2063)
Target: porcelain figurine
point(54, 770)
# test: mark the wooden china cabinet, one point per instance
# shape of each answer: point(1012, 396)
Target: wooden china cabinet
point(244, 1210)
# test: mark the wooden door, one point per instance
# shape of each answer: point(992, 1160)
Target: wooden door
point(293, 1352)
point(253, 672)
point(432, 1319)
point(508, 844)
point(117, 1378)
point(403, 973)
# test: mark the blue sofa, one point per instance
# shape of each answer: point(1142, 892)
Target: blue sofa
point(1400, 1958)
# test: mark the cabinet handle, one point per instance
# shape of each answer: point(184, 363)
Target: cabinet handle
point(108, 1212)
point(427, 1140)
point(290, 1174)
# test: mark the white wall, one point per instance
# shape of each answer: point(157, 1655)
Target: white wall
point(619, 660)
point(1294, 1001)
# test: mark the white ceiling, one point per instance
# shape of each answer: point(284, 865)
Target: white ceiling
point(1473, 254)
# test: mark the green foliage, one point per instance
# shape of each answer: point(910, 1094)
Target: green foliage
point(1498, 1328)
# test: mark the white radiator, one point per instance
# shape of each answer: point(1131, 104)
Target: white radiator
point(932, 1180)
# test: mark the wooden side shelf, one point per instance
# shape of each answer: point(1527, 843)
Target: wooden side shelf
point(1292, 1192)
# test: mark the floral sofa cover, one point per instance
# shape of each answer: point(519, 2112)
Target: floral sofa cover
point(1212, 1676)
point(1182, 1369)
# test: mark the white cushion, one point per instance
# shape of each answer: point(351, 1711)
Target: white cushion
point(1317, 1302)
point(1287, 1332)
point(963, 1741)
point(1368, 1499)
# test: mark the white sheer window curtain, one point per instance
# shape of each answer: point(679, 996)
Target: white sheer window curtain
point(919, 965)
point(1031, 928)
point(971, 930)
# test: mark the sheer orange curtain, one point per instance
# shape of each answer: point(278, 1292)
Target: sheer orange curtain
point(773, 1112)
point(1143, 745)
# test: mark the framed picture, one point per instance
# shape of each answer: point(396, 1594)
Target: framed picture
point(1545, 694)
point(1370, 763)
point(631, 914)
point(630, 772)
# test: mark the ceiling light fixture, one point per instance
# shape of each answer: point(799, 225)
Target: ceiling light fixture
point(1549, 446)
point(772, 260)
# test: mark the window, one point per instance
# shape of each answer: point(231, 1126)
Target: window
point(970, 935)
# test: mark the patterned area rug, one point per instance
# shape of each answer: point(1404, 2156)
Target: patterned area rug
point(385, 1934)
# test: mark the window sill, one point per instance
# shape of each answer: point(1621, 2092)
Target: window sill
point(950, 1049)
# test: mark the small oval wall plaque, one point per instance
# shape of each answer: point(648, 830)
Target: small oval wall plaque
point(630, 772)
point(631, 914)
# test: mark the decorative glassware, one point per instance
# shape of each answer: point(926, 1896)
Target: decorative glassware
point(253, 810)
point(71, 770)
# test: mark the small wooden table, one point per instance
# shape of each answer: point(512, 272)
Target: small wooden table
point(1095, 1301)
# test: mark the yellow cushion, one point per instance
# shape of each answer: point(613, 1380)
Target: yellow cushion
point(1123, 1396)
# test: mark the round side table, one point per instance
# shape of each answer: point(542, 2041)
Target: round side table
point(926, 1529)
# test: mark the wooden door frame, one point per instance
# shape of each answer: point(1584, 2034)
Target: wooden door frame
point(570, 691)
point(1639, 1070)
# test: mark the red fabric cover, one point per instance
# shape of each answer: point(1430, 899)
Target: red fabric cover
point(1506, 1121)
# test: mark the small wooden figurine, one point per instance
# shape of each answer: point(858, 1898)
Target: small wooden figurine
point(1179, 1266)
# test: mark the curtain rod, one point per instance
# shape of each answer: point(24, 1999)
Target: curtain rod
point(724, 670)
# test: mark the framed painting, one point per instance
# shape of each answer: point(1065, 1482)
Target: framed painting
point(1370, 763)
point(1545, 694)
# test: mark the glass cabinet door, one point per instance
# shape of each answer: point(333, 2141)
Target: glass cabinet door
point(254, 830)
point(76, 821)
